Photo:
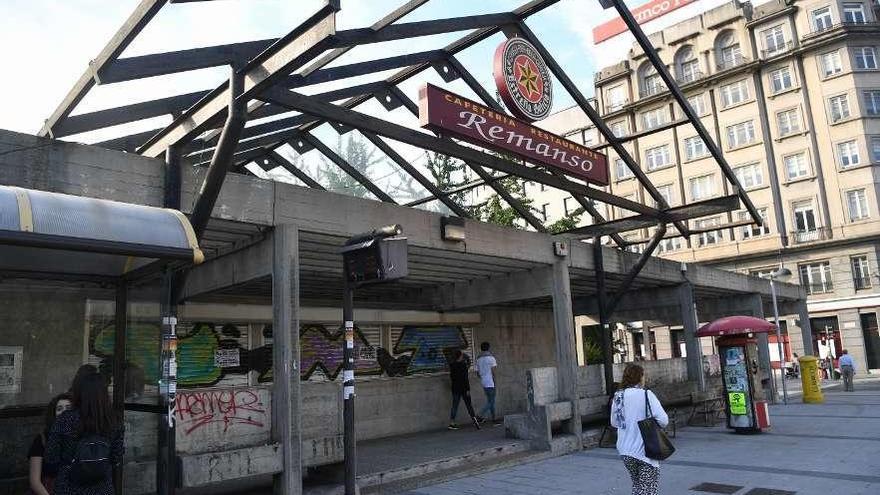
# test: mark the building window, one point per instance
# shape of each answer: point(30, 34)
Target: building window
point(822, 19)
point(839, 106)
point(796, 166)
point(702, 187)
point(875, 148)
point(788, 122)
point(861, 272)
point(616, 98)
point(774, 40)
point(623, 212)
point(740, 134)
point(650, 82)
point(568, 206)
point(694, 148)
point(780, 79)
point(753, 230)
point(697, 104)
point(653, 119)
point(857, 204)
point(670, 244)
point(710, 237)
point(865, 57)
point(816, 277)
point(619, 129)
point(854, 13)
point(687, 67)
point(622, 170)
point(657, 157)
point(727, 51)
point(733, 94)
point(848, 154)
point(804, 220)
point(544, 211)
point(872, 101)
point(831, 63)
point(763, 272)
point(666, 193)
point(749, 176)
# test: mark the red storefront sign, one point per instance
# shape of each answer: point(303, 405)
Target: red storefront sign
point(469, 121)
point(643, 14)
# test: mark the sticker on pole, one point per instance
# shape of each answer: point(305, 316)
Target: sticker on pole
point(737, 402)
point(523, 80)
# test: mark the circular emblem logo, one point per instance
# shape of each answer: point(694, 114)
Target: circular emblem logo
point(523, 80)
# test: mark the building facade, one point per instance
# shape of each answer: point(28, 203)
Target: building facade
point(790, 91)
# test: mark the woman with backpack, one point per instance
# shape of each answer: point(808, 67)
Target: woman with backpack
point(86, 442)
point(41, 475)
point(628, 407)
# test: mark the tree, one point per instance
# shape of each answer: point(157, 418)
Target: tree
point(356, 152)
point(566, 223)
point(449, 173)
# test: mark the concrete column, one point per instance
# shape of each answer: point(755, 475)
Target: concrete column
point(566, 354)
point(757, 310)
point(806, 329)
point(692, 343)
point(285, 358)
point(649, 343)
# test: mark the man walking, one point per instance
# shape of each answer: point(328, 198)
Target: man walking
point(847, 369)
point(461, 388)
point(486, 364)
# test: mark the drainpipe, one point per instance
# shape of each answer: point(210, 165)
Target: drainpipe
point(221, 161)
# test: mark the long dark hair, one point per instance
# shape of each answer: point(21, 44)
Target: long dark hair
point(632, 376)
point(84, 370)
point(50, 411)
point(92, 401)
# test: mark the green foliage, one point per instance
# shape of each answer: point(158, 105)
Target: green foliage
point(564, 224)
point(355, 151)
point(592, 352)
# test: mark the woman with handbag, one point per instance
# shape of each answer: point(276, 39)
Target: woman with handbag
point(638, 416)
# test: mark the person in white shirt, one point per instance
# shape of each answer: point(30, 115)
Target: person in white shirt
point(847, 369)
point(627, 409)
point(486, 364)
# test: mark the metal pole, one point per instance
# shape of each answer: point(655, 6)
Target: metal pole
point(607, 354)
point(779, 342)
point(166, 470)
point(348, 389)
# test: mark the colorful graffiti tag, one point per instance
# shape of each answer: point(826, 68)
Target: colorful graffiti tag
point(224, 408)
point(322, 350)
point(430, 347)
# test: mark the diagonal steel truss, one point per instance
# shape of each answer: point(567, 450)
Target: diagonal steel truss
point(269, 76)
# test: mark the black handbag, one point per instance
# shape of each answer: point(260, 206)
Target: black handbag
point(657, 444)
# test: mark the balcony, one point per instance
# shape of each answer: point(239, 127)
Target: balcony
point(804, 236)
point(651, 91)
point(733, 62)
point(616, 105)
point(779, 50)
point(819, 288)
point(816, 31)
point(690, 77)
point(861, 283)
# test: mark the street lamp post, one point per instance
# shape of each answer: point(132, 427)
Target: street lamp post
point(780, 274)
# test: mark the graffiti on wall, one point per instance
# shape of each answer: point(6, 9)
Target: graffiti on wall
point(322, 350)
point(220, 408)
point(428, 349)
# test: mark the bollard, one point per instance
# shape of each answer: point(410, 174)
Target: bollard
point(809, 380)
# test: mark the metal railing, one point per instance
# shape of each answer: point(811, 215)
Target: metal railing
point(734, 62)
point(862, 282)
point(818, 30)
point(779, 50)
point(689, 77)
point(817, 234)
point(819, 288)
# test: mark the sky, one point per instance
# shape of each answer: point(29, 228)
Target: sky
point(48, 44)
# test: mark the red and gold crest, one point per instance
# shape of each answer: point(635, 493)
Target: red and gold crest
point(523, 80)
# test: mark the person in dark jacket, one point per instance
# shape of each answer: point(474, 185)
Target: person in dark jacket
point(91, 420)
point(41, 476)
point(461, 388)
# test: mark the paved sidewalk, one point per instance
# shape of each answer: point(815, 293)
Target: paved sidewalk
point(827, 449)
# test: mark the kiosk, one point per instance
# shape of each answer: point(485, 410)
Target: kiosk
point(743, 378)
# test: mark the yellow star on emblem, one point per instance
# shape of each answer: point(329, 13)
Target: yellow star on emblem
point(528, 78)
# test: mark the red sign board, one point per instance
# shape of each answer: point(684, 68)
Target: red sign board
point(523, 79)
point(470, 121)
point(643, 14)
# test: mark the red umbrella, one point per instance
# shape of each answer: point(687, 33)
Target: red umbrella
point(735, 325)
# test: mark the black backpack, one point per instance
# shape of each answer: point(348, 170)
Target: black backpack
point(91, 462)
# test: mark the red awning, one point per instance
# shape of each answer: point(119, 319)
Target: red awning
point(735, 325)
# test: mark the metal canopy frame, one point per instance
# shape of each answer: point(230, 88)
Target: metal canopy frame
point(265, 73)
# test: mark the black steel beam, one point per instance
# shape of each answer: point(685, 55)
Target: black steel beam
point(141, 16)
point(283, 162)
point(675, 90)
point(363, 68)
point(364, 36)
point(634, 271)
point(641, 134)
point(413, 137)
point(128, 143)
point(415, 174)
point(347, 167)
point(463, 188)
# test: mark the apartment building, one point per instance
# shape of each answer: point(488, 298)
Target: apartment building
point(790, 90)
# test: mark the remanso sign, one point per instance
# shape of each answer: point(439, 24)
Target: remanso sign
point(643, 14)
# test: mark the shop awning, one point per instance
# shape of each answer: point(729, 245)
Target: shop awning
point(735, 325)
point(58, 233)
